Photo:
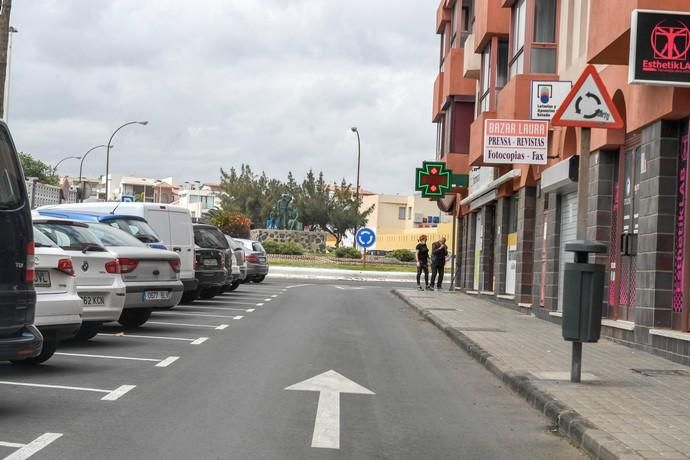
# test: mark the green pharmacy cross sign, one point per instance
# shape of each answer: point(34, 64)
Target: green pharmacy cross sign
point(433, 179)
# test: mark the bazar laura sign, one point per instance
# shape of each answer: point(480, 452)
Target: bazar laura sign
point(659, 48)
point(516, 142)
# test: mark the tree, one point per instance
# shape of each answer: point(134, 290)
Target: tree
point(231, 223)
point(37, 168)
point(345, 214)
point(313, 202)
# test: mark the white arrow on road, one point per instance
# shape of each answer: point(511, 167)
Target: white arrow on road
point(327, 424)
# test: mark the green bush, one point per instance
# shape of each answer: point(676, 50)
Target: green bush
point(403, 255)
point(291, 248)
point(347, 253)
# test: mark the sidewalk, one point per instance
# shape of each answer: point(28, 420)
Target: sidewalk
point(617, 412)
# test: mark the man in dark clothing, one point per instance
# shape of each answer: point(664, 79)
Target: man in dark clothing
point(439, 252)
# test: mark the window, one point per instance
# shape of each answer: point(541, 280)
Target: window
point(485, 88)
point(543, 53)
point(502, 64)
point(454, 21)
point(401, 213)
point(466, 19)
point(11, 196)
point(519, 19)
point(409, 213)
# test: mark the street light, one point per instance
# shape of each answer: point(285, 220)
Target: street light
point(66, 158)
point(107, 155)
point(12, 31)
point(359, 155)
point(81, 166)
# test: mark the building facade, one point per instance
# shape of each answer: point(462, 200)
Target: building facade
point(512, 60)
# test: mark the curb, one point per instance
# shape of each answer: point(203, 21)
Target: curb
point(582, 433)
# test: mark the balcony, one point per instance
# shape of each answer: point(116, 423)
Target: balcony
point(443, 16)
point(472, 62)
point(515, 97)
point(609, 27)
point(459, 163)
point(439, 100)
point(476, 156)
point(490, 19)
point(454, 82)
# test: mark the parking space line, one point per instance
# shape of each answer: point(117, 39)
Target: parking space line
point(12, 445)
point(111, 395)
point(260, 304)
point(199, 314)
point(297, 285)
point(238, 317)
point(27, 450)
point(155, 337)
point(124, 358)
point(218, 327)
point(217, 308)
point(251, 310)
point(267, 300)
point(200, 340)
point(167, 361)
point(216, 302)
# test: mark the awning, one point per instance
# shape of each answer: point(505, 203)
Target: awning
point(562, 176)
point(488, 193)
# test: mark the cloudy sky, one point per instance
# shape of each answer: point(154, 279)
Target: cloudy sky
point(276, 84)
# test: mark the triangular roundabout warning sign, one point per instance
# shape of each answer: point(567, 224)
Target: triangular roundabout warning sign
point(588, 105)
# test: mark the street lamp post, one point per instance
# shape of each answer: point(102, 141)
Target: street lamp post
point(359, 156)
point(81, 167)
point(66, 158)
point(107, 154)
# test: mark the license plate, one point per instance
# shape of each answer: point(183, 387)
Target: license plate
point(93, 299)
point(156, 295)
point(210, 263)
point(42, 278)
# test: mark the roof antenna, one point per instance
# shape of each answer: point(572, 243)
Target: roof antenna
point(115, 208)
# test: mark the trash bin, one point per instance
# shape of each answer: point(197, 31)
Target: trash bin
point(583, 293)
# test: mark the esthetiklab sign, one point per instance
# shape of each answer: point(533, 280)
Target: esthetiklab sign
point(516, 142)
point(659, 48)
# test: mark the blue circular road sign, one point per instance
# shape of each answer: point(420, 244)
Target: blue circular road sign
point(365, 237)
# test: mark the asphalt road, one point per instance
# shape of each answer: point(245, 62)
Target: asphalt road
point(225, 398)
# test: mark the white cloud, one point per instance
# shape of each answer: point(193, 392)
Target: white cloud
point(274, 83)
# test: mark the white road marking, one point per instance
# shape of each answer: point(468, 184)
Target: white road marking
point(155, 337)
point(118, 393)
point(38, 444)
point(219, 327)
point(274, 296)
point(260, 304)
point(218, 302)
point(111, 395)
point(250, 310)
point(327, 424)
point(199, 314)
point(12, 445)
point(217, 308)
point(200, 340)
point(238, 317)
point(124, 358)
point(167, 361)
point(267, 300)
point(297, 285)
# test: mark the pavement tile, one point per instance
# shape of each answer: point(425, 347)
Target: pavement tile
point(650, 415)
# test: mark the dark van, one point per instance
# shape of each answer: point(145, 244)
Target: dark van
point(19, 339)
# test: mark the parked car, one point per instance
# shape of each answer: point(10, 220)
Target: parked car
point(173, 224)
point(151, 276)
point(99, 283)
point(58, 307)
point(257, 260)
point(210, 237)
point(210, 272)
point(19, 338)
point(238, 249)
point(134, 225)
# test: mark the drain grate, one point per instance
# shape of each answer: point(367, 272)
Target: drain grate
point(662, 372)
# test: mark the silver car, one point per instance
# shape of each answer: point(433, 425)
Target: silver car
point(151, 276)
point(257, 260)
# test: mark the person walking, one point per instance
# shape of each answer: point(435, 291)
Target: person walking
point(422, 257)
point(439, 253)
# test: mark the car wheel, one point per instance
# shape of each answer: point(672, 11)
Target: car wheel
point(88, 331)
point(189, 297)
point(259, 279)
point(134, 317)
point(49, 347)
point(234, 285)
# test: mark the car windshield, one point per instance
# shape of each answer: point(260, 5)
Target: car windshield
point(209, 237)
point(42, 241)
point(257, 247)
point(111, 236)
point(10, 194)
point(139, 229)
point(70, 237)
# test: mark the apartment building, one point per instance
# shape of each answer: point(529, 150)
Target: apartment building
point(511, 60)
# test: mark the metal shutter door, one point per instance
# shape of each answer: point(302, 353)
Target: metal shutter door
point(568, 233)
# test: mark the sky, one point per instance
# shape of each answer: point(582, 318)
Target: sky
point(275, 84)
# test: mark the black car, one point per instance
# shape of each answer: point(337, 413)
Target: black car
point(210, 272)
point(19, 339)
point(210, 237)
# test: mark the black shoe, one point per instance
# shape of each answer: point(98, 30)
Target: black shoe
point(429, 288)
point(419, 287)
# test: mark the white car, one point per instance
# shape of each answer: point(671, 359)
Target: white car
point(151, 276)
point(99, 283)
point(58, 307)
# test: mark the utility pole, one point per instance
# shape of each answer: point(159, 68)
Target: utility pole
point(4, 49)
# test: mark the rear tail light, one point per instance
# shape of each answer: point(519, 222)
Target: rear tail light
point(127, 265)
point(252, 258)
point(175, 265)
point(112, 267)
point(197, 261)
point(65, 266)
point(29, 269)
